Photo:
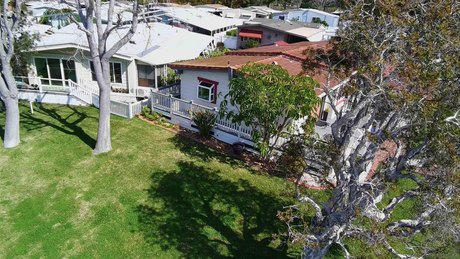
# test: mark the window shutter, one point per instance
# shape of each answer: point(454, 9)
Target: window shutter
point(215, 94)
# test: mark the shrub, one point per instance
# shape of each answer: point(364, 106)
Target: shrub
point(232, 33)
point(250, 44)
point(146, 110)
point(205, 121)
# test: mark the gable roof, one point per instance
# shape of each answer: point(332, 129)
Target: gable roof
point(289, 57)
point(299, 29)
point(280, 25)
point(153, 43)
point(293, 50)
point(199, 18)
point(262, 10)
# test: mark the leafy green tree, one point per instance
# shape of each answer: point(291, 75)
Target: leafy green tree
point(65, 12)
point(266, 97)
point(404, 101)
point(25, 42)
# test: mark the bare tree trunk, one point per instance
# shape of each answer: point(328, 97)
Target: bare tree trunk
point(11, 136)
point(9, 94)
point(97, 35)
point(9, 24)
point(103, 142)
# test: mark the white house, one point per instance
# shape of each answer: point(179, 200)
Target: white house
point(239, 14)
point(204, 83)
point(311, 16)
point(192, 19)
point(269, 31)
point(308, 15)
point(138, 65)
point(262, 11)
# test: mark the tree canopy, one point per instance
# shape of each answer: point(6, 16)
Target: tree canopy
point(400, 127)
point(269, 99)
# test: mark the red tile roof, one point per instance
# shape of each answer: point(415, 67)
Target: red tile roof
point(289, 57)
point(294, 50)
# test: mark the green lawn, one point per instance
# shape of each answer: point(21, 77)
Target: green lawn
point(155, 195)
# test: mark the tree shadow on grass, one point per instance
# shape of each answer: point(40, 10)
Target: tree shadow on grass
point(195, 149)
point(202, 215)
point(68, 124)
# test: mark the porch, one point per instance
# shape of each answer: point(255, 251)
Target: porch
point(180, 112)
point(68, 92)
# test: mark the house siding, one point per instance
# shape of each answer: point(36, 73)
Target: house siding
point(82, 67)
point(268, 36)
point(189, 86)
point(308, 15)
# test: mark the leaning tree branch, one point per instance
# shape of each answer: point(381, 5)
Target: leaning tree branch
point(397, 200)
point(319, 213)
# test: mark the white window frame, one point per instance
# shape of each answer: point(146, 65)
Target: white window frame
point(61, 67)
point(209, 88)
point(112, 68)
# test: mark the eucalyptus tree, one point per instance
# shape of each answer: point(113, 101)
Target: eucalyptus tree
point(97, 34)
point(10, 23)
point(402, 125)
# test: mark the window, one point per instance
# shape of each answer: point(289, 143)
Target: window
point(146, 76)
point(206, 91)
point(115, 72)
point(316, 20)
point(323, 112)
point(69, 70)
point(54, 71)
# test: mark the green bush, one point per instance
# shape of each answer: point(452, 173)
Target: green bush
point(232, 33)
point(205, 121)
point(250, 44)
point(146, 110)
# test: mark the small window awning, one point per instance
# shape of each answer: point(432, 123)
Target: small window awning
point(251, 34)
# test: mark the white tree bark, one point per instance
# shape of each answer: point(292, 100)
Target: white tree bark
point(9, 23)
point(97, 35)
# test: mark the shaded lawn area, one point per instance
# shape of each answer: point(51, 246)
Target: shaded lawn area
point(155, 195)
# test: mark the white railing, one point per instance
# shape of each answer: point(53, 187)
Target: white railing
point(80, 92)
point(120, 109)
point(173, 89)
point(84, 92)
point(170, 106)
point(137, 106)
point(42, 84)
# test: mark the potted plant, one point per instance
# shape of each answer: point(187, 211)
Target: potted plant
point(238, 147)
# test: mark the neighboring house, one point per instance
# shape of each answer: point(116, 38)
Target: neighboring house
point(139, 65)
point(205, 82)
point(309, 16)
point(192, 19)
point(38, 9)
point(239, 14)
point(216, 9)
point(262, 11)
point(269, 31)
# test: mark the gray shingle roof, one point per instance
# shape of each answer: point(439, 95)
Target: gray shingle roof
point(279, 24)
